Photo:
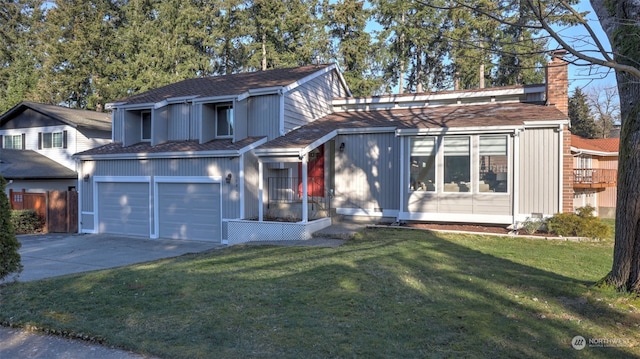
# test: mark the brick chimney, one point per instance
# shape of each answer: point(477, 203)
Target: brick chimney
point(558, 81)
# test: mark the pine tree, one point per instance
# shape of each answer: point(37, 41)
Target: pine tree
point(582, 122)
point(346, 21)
point(9, 245)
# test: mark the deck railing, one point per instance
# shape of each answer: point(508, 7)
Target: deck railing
point(594, 178)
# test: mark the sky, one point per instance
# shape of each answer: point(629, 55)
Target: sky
point(586, 77)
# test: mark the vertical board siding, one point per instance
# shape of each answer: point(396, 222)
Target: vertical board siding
point(263, 116)
point(367, 172)
point(251, 186)
point(117, 125)
point(179, 121)
point(310, 101)
point(173, 167)
point(539, 171)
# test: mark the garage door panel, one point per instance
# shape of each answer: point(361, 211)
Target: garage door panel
point(189, 211)
point(123, 208)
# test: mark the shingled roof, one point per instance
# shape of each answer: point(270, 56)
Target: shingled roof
point(221, 145)
point(225, 85)
point(27, 164)
point(442, 117)
point(72, 117)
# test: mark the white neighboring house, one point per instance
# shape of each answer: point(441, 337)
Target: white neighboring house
point(46, 137)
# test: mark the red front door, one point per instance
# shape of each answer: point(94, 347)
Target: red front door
point(315, 173)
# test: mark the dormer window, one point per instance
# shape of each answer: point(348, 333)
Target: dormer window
point(224, 121)
point(145, 122)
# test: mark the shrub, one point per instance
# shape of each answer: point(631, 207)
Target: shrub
point(9, 245)
point(26, 221)
point(580, 224)
point(532, 225)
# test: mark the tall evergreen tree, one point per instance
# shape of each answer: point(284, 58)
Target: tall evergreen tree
point(347, 20)
point(9, 245)
point(20, 53)
point(80, 63)
point(582, 122)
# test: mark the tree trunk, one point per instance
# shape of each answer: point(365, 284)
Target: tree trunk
point(618, 20)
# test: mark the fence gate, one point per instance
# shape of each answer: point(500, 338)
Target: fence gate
point(59, 209)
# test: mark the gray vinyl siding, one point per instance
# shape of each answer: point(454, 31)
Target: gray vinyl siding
point(132, 128)
point(171, 167)
point(539, 171)
point(117, 123)
point(367, 172)
point(310, 101)
point(240, 121)
point(263, 116)
point(160, 126)
point(251, 179)
point(179, 122)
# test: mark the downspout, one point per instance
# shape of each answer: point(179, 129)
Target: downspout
point(241, 180)
point(260, 191)
point(305, 194)
point(402, 175)
point(516, 177)
point(561, 169)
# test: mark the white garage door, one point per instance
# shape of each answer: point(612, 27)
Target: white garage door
point(189, 211)
point(123, 208)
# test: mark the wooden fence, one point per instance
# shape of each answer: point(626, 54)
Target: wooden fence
point(59, 209)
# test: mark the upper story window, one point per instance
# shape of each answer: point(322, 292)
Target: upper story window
point(145, 123)
point(52, 140)
point(224, 121)
point(15, 142)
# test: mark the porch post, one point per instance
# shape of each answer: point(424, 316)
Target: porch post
point(305, 194)
point(260, 190)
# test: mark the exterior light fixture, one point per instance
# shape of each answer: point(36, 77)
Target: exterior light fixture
point(342, 147)
point(228, 179)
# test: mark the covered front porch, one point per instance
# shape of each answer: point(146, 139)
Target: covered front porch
point(294, 195)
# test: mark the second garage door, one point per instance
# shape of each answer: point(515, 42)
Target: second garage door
point(189, 211)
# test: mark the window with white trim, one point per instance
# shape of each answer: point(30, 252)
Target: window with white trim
point(422, 166)
point(13, 142)
point(457, 164)
point(494, 166)
point(52, 140)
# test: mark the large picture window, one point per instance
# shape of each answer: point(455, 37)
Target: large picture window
point(224, 121)
point(493, 164)
point(422, 173)
point(457, 164)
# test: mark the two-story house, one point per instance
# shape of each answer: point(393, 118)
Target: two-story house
point(37, 142)
point(270, 155)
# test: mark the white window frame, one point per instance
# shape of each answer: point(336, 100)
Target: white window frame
point(12, 139)
point(498, 179)
point(229, 133)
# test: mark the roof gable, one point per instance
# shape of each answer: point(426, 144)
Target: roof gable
point(32, 114)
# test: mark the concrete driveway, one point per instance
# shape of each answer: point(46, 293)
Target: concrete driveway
point(50, 255)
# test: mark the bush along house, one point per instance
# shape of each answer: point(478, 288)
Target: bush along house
point(273, 155)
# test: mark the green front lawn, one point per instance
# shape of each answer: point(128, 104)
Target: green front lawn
point(388, 293)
